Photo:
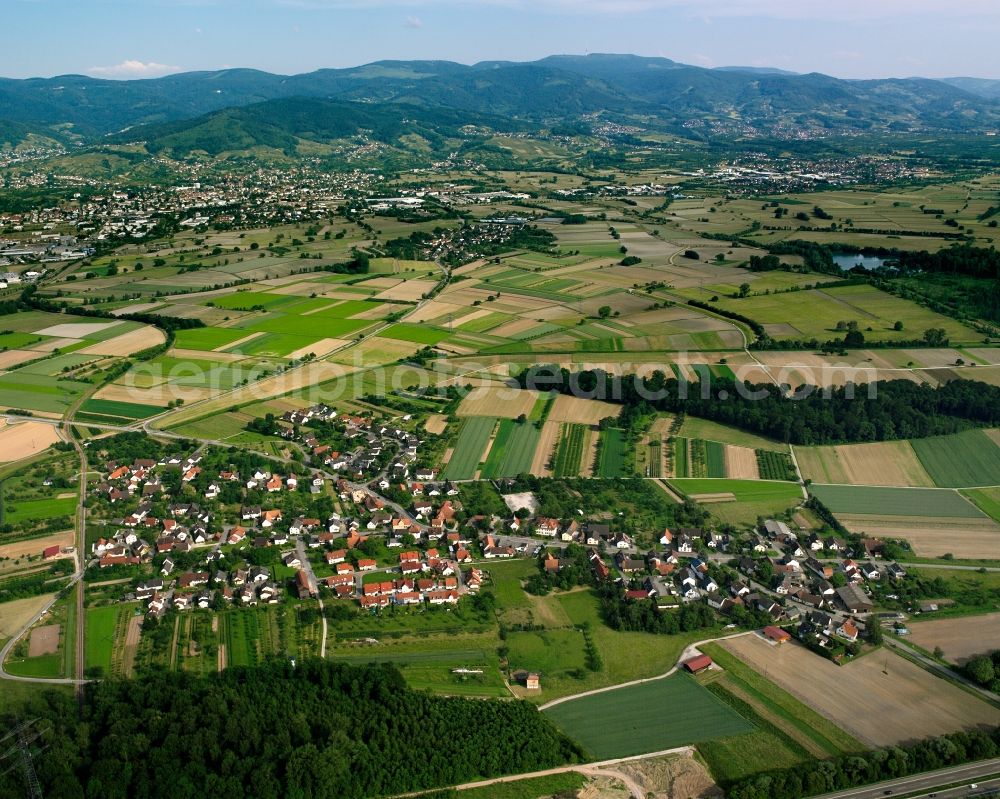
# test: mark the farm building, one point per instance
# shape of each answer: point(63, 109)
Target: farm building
point(533, 681)
point(776, 634)
point(51, 552)
point(854, 599)
point(697, 664)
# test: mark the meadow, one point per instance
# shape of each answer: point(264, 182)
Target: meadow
point(649, 717)
point(966, 459)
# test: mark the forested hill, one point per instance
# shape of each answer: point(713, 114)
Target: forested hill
point(881, 411)
point(317, 730)
point(654, 92)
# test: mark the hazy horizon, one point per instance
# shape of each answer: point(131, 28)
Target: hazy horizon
point(140, 39)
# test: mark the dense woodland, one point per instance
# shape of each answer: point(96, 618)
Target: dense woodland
point(315, 729)
point(881, 411)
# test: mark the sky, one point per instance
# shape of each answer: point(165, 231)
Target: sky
point(150, 38)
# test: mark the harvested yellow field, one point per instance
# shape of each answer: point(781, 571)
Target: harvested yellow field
point(931, 537)
point(35, 546)
point(154, 395)
point(407, 291)
point(582, 411)
point(76, 330)
point(24, 439)
point(741, 463)
point(12, 358)
point(498, 400)
point(128, 343)
point(436, 423)
point(546, 448)
point(881, 699)
point(888, 463)
point(320, 348)
point(961, 638)
point(14, 615)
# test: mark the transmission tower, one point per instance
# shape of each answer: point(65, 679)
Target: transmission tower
point(19, 754)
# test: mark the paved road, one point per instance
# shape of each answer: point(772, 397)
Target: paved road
point(927, 782)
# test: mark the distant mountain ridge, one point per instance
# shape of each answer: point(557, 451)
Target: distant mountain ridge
point(657, 92)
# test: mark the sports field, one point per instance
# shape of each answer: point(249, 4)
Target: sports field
point(649, 717)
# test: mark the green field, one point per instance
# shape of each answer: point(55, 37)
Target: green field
point(554, 653)
point(569, 451)
point(469, 447)
point(742, 490)
point(17, 511)
point(986, 499)
point(933, 502)
point(207, 338)
point(694, 427)
point(418, 334)
point(101, 626)
point(715, 459)
point(649, 717)
point(126, 410)
point(512, 451)
point(966, 459)
point(611, 462)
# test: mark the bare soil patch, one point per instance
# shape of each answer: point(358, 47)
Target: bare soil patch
point(674, 777)
point(24, 439)
point(12, 358)
point(44, 640)
point(436, 423)
point(407, 291)
point(34, 546)
point(132, 634)
point(930, 537)
point(901, 702)
point(961, 639)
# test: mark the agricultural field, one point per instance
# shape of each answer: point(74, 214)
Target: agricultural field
point(935, 521)
point(570, 449)
point(902, 700)
point(611, 458)
point(888, 463)
point(649, 717)
point(960, 638)
point(513, 450)
point(740, 501)
point(469, 447)
point(964, 460)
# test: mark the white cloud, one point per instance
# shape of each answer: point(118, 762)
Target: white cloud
point(132, 68)
point(413, 22)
